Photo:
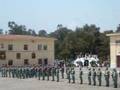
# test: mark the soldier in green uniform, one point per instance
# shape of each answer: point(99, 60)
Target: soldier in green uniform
point(94, 77)
point(43, 73)
point(62, 72)
point(119, 73)
point(107, 77)
point(81, 76)
point(99, 76)
point(53, 73)
point(2, 71)
point(68, 74)
point(89, 76)
point(20, 72)
point(57, 74)
point(24, 73)
point(5, 71)
point(39, 73)
point(115, 77)
point(47, 73)
point(67, 69)
point(9, 72)
point(73, 75)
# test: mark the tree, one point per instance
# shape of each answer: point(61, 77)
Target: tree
point(20, 29)
point(42, 33)
point(1, 31)
point(118, 28)
point(16, 29)
point(60, 35)
point(108, 32)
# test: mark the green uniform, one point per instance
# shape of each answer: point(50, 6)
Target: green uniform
point(81, 76)
point(67, 69)
point(69, 75)
point(39, 73)
point(99, 76)
point(53, 74)
point(9, 71)
point(94, 77)
point(107, 77)
point(62, 72)
point(48, 74)
point(115, 77)
point(43, 74)
point(73, 75)
point(57, 74)
point(89, 76)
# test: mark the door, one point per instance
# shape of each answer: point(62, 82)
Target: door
point(10, 62)
point(40, 61)
point(45, 61)
point(118, 61)
point(26, 62)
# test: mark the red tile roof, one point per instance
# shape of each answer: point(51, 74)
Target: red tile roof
point(23, 37)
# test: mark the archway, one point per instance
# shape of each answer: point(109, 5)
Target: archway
point(86, 63)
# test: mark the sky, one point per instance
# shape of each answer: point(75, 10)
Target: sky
point(47, 14)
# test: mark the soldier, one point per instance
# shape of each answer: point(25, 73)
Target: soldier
point(24, 72)
point(53, 73)
point(9, 72)
point(81, 76)
point(89, 76)
point(43, 73)
point(73, 75)
point(62, 72)
point(2, 71)
point(57, 74)
point(107, 77)
point(39, 73)
point(68, 74)
point(67, 69)
point(115, 77)
point(99, 76)
point(94, 77)
point(47, 72)
point(119, 73)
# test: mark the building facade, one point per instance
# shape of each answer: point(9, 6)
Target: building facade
point(26, 50)
point(114, 50)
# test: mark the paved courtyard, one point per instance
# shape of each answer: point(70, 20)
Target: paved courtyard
point(34, 84)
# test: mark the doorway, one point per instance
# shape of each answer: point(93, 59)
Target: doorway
point(26, 62)
point(10, 62)
point(118, 61)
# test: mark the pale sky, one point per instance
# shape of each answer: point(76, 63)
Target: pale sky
point(47, 14)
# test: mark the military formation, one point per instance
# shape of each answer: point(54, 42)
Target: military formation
point(56, 73)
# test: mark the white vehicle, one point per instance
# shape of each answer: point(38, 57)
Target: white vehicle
point(86, 60)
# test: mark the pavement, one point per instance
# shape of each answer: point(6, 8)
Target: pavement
point(35, 84)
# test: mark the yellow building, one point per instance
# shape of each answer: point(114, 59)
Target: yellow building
point(114, 49)
point(26, 50)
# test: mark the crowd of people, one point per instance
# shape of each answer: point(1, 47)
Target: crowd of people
point(57, 73)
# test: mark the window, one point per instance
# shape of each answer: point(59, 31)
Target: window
point(33, 56)
point(39, 47)
point(45, 61)
point(117, 41)
point(1, 45)
point(18, 55)
point(25, 47)
point(10, 47)
point(10, 62)
point(40, 61)
point(2, 55)
point(26, 62)
point(45, 47)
